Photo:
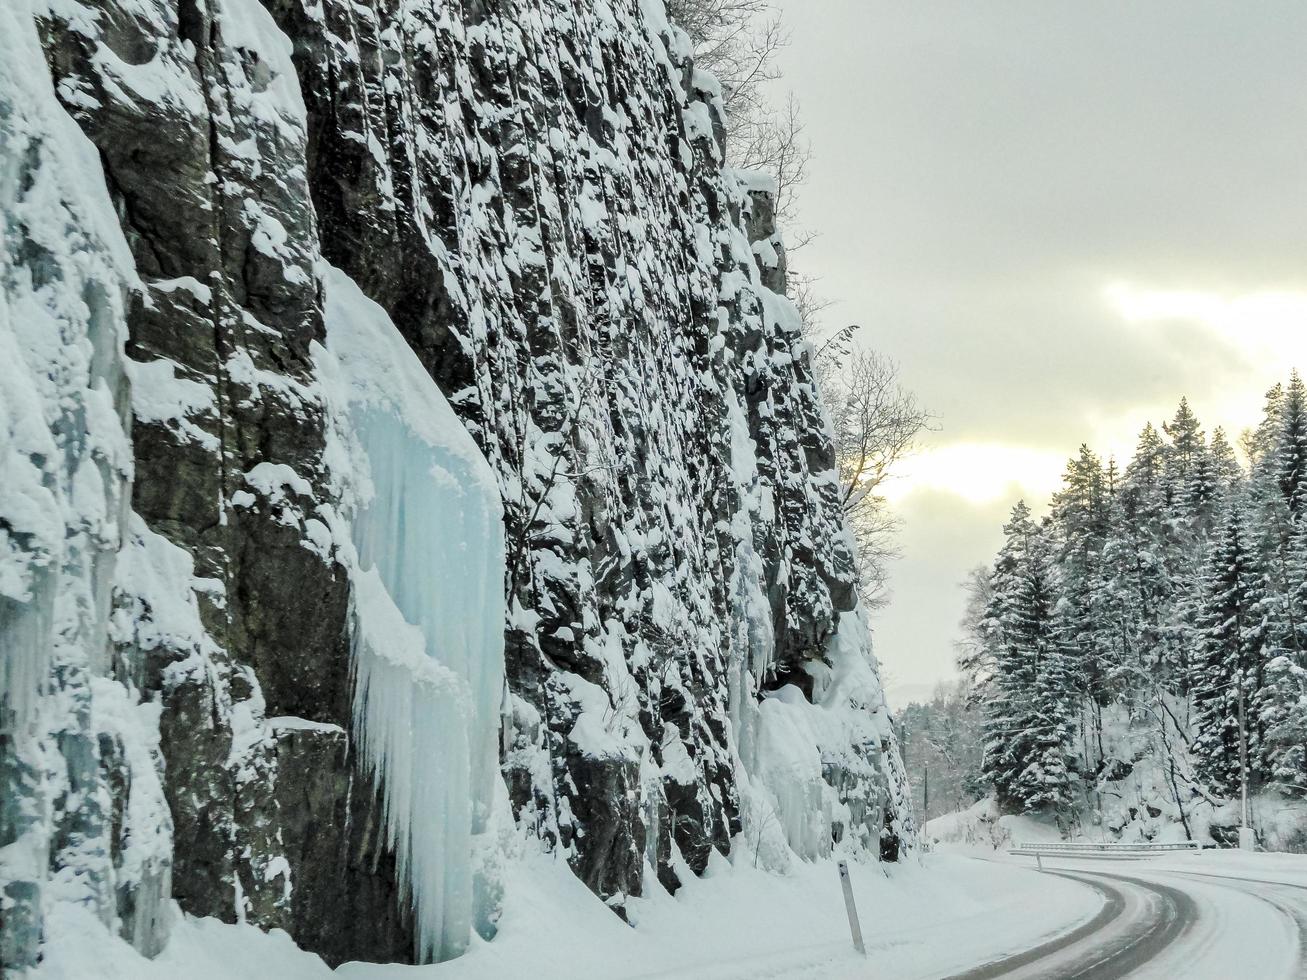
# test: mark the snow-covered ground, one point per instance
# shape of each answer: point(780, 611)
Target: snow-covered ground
point(980, 829)
point(926, 918)
point(1280, 825)
point(1224, 914)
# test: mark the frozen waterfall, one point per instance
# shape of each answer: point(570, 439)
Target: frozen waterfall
point(428, 610)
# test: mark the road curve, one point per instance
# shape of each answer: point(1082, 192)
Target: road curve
point(1167, 922)
point(1288, 898)
point(1138, 921)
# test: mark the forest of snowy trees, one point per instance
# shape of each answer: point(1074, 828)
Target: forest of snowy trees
point(1170, 594)
point(941, 748)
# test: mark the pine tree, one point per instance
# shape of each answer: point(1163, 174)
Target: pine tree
point(1176, 590)
point(1260, 444)
point(1079, 522)
point(1046, 783)
point(1147, 470)
point(1292, 634)
point(1278, 491)
point(1080, 508)
point(1233, 659)
point(1124, 597)
point(1002, 692)
point(1284, 720)
point(1203, 496)
point(1029, 699)
point(1229, 473)
point(1285, 561)
point(1166, 549)
point(1291, 447)
point(1285, 715)
point(1187, 444)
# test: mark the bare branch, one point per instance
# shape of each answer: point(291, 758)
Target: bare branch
point(738, 41)
point(876, 423)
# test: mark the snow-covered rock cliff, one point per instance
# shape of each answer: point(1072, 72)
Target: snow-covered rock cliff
point(280, 641)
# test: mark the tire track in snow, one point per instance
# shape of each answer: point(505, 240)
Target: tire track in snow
point(1114, 904)
point(1296, 913)
point(1158, 921)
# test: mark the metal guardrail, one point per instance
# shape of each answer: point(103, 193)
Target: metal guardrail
point(1090, 847)
point(1115, 849)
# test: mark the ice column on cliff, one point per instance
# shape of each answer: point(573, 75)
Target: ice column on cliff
point(65, 460)
point(428, 610)
point(70, 736)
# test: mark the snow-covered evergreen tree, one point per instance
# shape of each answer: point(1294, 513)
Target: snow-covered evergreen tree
point(1231, 674)
point(1225, 461)
point(1046, 783)
point(1162, 596)
point(1003, 689)
point(1283, 718)
point(1278, 492)
point(1187, 446)
point(1028, 700)
point(1291, 447)
point(1079, 524)
point(1124, 596)
point(1281, 490)
point(1260, 444)
point(1145, 511)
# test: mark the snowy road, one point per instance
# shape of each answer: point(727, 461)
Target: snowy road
point(1171, 919)
point(1210, 916)
point(1139, 920)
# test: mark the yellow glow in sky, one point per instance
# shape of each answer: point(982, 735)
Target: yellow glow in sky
point(980, 473)
point(1266, 333)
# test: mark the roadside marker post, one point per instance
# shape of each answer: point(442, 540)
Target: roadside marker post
point(855, 926)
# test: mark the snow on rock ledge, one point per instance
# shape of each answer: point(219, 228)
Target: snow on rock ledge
point(535, 194)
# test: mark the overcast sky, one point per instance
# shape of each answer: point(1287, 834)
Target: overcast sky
point(1058, 217)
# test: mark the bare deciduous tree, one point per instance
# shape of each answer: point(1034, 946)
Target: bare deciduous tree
point(830, 348)
point(941, 744)
point(773, 141)
point(877, 423)
point(738, 40)
point(876, 420)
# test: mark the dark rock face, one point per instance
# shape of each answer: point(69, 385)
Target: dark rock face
point(332, 835)
point(209, 182)
point(526, 190)
point(535, 194)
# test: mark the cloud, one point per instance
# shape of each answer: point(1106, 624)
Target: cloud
point(1008, 196)
point(943, 537)
point(1267, 328)
point(1220, 350)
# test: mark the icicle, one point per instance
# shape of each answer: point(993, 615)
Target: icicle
point(65, 462)
point(429, 614)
